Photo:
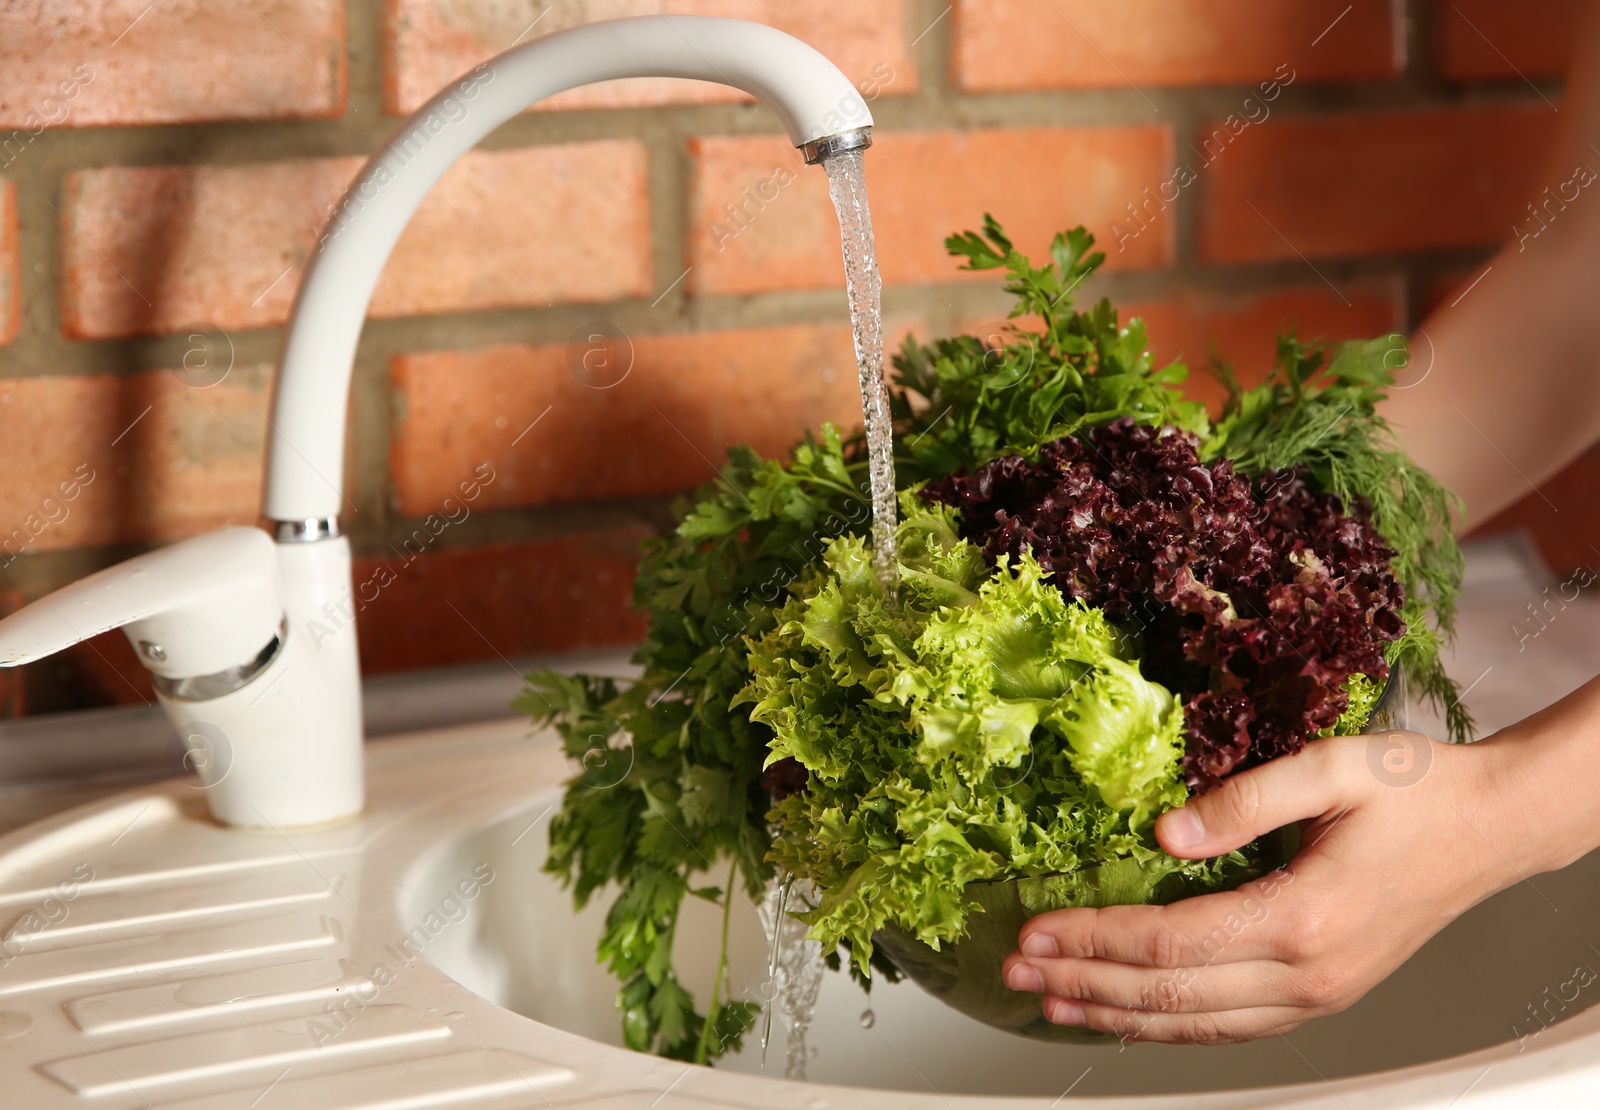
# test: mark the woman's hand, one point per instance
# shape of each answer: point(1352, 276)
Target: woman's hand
point(1399, 835)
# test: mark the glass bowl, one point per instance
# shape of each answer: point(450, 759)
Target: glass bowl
point(965, 975)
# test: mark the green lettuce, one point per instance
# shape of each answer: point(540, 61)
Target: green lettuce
point(976, 726)
point(1363, 692)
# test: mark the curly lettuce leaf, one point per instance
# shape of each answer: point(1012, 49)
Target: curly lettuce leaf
point(977, 726)
point(1363, 692)
point(1318, 410)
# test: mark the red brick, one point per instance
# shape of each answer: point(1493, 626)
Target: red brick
point(10, 264)
point(500, 601)
point(162, 459)
point(154, 250)
point(109, 672)
point(663, 426)
point(1560, 516)
point(128, 62)
point(428, 43)
point(1479, 40)
point(1036, 181)
point(1372, 184)
point(99, 672)
point(1076, 44)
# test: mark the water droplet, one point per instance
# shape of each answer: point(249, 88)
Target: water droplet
point(14, 1024)
point(868, 1019)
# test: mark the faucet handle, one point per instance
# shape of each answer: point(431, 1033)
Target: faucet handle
point(204, 614)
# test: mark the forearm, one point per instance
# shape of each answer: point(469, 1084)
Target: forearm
point(1512, 392)
point(1504, 389)
point(1537, 802)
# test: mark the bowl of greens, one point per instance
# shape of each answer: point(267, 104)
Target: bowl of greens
point(1105, 601)
point(966, 974)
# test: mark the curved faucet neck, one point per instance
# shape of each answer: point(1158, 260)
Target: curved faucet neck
point(819, 107)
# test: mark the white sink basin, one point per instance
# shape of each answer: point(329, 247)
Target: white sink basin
point(149, 987)
point(1464, 991)
point(418, 957)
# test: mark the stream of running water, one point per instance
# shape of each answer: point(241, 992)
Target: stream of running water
point(794, 969)
point(848, 188)
point(795, 964)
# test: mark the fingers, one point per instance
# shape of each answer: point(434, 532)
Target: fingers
point(1228, 967)
point(1183, 990)
point(1231, 1027)
point(1252, 803)
point(1232, 927)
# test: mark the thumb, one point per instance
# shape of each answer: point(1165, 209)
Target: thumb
point(1253, 803)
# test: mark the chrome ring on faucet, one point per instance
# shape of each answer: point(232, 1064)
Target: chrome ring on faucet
point(818, 149)
point(205, 687)
point(309, 530)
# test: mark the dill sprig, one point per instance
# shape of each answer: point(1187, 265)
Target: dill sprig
point(1317, 409)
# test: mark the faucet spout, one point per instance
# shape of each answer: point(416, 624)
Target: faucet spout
point(274, 690)
point(817, 104)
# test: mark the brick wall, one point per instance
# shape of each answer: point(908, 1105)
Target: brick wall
point(164, 169)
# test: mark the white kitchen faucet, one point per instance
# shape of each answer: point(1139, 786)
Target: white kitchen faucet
point(271, 711)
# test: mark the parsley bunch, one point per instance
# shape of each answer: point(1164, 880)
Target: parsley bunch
point(961, 401)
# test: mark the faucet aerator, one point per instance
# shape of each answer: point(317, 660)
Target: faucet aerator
point(820, 150)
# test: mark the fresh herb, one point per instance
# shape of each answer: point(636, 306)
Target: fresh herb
point(692, 803)
point(1361, 697)
point(1317, 410)
point(962, 401)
